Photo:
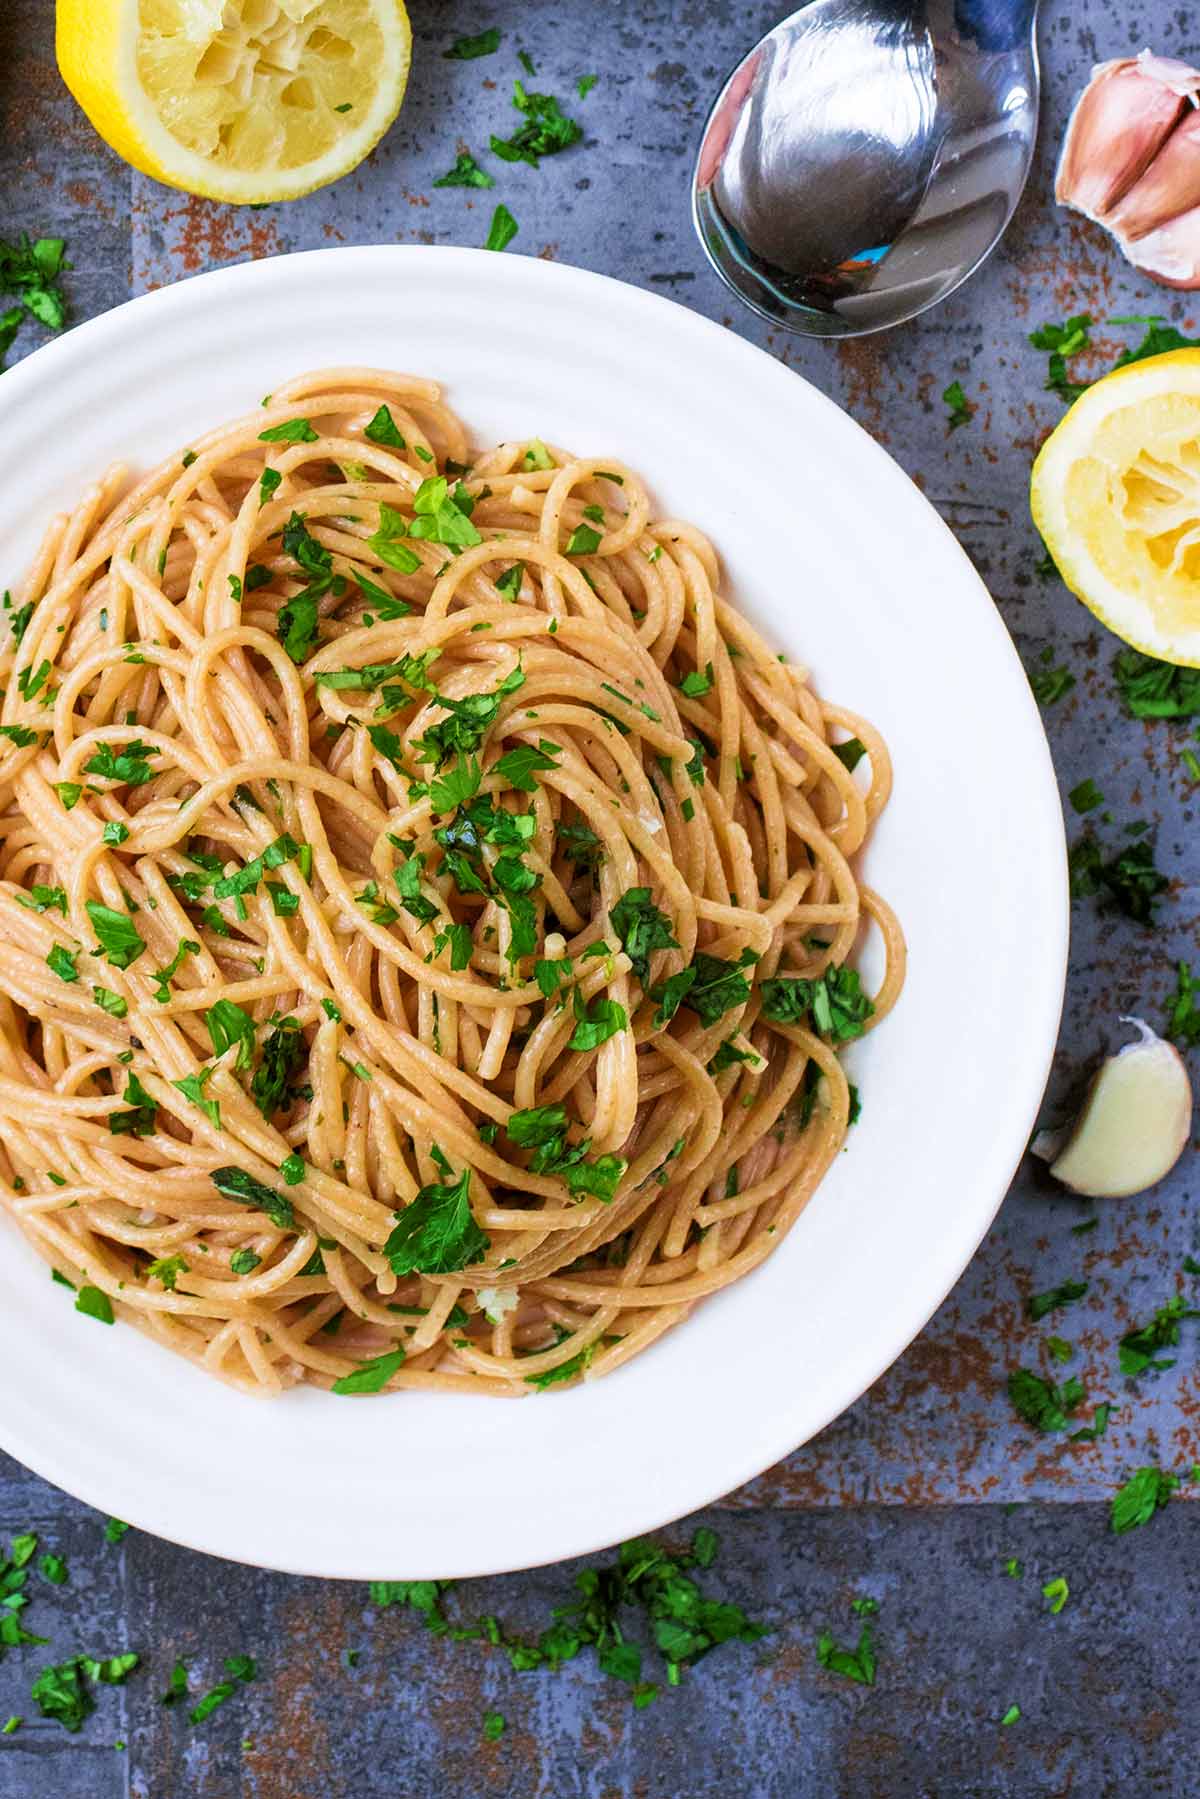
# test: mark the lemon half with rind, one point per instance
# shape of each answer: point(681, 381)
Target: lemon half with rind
point(240, 100)
point(1115, 493)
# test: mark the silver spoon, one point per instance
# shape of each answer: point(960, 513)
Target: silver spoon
point(865, 157)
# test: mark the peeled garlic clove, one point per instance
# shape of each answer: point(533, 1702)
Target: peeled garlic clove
point(1134, 1125)
point(1120, 121)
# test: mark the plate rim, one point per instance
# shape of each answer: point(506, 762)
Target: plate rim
point(52, 1461)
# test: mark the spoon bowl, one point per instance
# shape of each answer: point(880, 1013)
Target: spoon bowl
point(866, 156)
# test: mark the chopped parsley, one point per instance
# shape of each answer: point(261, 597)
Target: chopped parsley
point(465, 173)
point(1049, 684)
point(1153, 689)
point(465, 49)
point(835, 1000)
point(292, 431)
point(502, 229)
point(1057, 1592)
point(1183, 1020)
point(595, 1025)
point(61, 962)
point(959, 410)
point(1086, 796)
point(117, 938)
point(519, 765)
point(1138, 1350)
point(130, 765)
point(642, 929)
point(547, 129)
point(1039, 1304)
point(31, 269)
point(61, 1692)
point(229, 1024)
point(372, 1376)
point(283, 1051)
point(1143, 1494)
point(436, 1233)
point(141, 1115)
point(94, 1304)
point(1042, 1403)
point(584, 541)
point(1129, 881)
point(235, 1183)
point(41, 898)
point(856, 1664)
point(383, 429)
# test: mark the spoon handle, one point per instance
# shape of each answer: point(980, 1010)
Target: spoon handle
point(996, 24)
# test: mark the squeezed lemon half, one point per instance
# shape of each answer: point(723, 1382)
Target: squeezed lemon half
point(1115, 493)
point(242, 100)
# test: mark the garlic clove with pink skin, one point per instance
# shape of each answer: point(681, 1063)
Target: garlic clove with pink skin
point(1169, 188)
point(1134, 1126)
point(1120, 122)
point(1131, 162)
point(1170, 255)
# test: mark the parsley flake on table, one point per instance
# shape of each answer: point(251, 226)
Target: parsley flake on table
point(959, 410)
point(466, 49)
point(493, 1726)
point(856, 1664)
point(1153, 689)
point(1129, 882)
point(1086, 796)
point(62, 1692)
point(1049, 684)
point(1061, 341)
point(1143, 1494)
point(546, 131)
point(465, 173)
point(502, 229)
point(1138, 1350)
point(1039, 1304)
point(1057, 1592)
point(31, 269)
point(1042, 1403)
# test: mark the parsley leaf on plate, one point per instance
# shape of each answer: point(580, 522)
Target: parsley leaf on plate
point(235, 1183)
point(642, 929)
point(436, 1233)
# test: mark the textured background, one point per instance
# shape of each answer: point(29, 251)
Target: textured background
point(911, 1496)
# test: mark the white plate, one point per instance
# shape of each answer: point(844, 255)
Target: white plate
point(836, 555)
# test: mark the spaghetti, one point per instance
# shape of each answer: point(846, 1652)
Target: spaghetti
point(425, 906)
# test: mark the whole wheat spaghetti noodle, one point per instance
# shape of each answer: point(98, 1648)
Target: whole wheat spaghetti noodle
point(425, 906)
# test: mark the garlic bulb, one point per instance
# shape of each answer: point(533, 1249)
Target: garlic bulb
point(1131, 162)
point(1134, 1125)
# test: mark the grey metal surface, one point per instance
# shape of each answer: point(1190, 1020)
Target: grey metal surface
point(902, 1492)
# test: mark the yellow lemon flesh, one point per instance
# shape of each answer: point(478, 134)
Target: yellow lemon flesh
point(243, 100)
point(1116, 495)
